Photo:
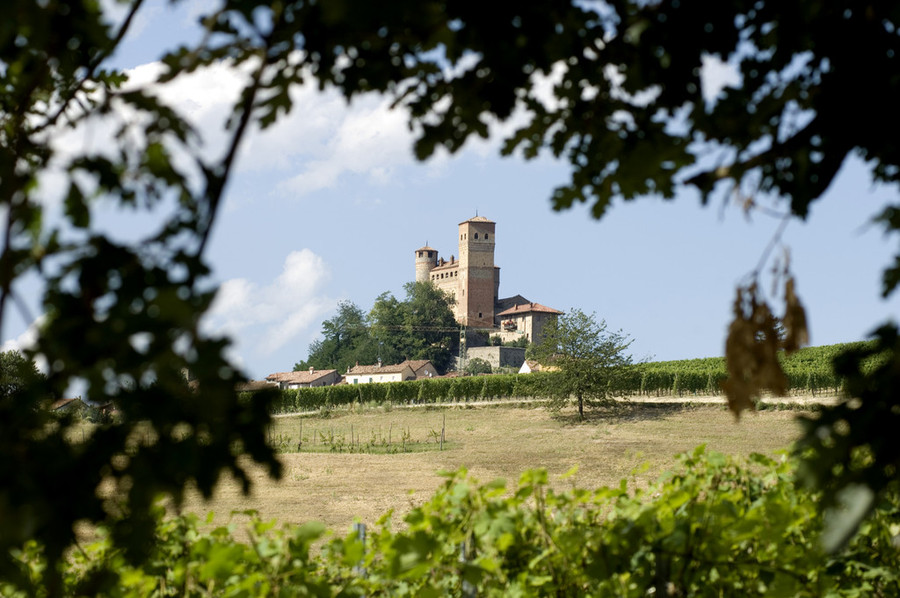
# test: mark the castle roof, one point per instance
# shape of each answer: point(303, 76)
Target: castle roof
point(528, 308)
point(446, 266)
point(478, 219)
point(426, 248)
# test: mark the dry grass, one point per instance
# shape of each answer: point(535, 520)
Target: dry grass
point(492, 442)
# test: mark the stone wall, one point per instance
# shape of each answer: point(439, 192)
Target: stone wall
point(512, 357)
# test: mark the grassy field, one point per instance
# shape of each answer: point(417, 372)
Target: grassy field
point(338, 488)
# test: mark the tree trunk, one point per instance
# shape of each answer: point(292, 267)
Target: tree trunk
point(580, 406)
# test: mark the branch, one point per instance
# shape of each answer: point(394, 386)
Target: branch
point(93, 65)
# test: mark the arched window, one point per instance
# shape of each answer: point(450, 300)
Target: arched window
point(485, 236)
point(476, 235)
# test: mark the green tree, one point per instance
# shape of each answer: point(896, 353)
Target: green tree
point(17, 375)
point(478, 366)
point(434, 333)
point(121, 318)
point(421, 326)
point(588, 356)
point(388, 320)
point(345, 340)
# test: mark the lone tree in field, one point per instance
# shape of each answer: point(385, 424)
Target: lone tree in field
point(588, 356)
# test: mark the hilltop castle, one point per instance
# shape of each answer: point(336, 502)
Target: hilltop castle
point(473, 281)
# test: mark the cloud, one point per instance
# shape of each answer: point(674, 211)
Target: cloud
point(28, 340)
point(263, 318)
point(366, 138)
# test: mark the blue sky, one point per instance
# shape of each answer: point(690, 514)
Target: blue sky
point(330, 205)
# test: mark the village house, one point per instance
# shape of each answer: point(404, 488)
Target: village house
point(305, 379)
point(364, 374)
point(528, 319)
point(422, 368)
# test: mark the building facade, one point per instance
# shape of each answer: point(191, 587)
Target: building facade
point(473, 282)
point(305, 379)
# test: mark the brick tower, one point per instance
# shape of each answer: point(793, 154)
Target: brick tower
point(477, 275)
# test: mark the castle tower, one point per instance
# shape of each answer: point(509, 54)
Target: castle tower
point(426, 260)
point(478, 279)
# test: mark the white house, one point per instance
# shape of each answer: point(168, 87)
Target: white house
point(363, 374)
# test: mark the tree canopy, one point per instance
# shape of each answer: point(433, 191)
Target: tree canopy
point(588, 356)
point(421, 326)
point(17, 375)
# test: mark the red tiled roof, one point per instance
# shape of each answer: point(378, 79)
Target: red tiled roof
point(416, 364)
point(528, 308)
point(301, 377)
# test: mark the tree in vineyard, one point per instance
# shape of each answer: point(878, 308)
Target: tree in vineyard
point(588, 356)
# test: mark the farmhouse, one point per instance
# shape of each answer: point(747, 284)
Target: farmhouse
point(473, 281)
point(305, 379)
point(363, 374)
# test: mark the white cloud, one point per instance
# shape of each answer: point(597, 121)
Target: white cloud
point(366, 138)
point(263, 318)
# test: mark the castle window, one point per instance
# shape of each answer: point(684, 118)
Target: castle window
point(476, 235)
point(479, 314)
point(485, 236)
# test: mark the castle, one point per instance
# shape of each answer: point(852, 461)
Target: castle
point(473, 281)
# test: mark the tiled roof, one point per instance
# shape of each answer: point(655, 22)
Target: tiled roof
point(378, 369)
point(446, 266)
point(62, 403)
point(477, 219)
point(416, 364)
point(301, 377)
point(528, 308)
point(426, 248)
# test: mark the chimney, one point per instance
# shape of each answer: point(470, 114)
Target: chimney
point(312, 370)
point(379, 362)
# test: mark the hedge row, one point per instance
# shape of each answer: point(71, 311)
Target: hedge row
point(426, 391)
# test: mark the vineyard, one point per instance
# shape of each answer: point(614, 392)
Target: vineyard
point(809, 372)
point(717, 526)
